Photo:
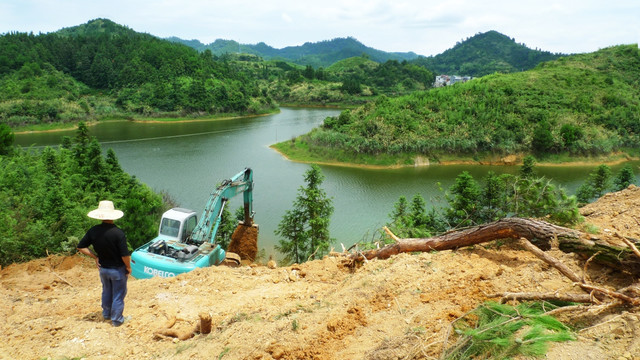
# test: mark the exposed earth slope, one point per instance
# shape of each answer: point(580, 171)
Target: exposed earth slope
point(395, 309)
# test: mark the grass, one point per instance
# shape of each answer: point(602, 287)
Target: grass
point(298, 150)
point(184, 346)
point(223, 353)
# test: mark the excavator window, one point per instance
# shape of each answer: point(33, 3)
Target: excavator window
point(170, 227)
point(189, 226)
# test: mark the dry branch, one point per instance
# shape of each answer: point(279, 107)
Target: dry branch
point(528, 296)
point(613, 294)
point(629, 244)
point(550, 260)
point(597, 291)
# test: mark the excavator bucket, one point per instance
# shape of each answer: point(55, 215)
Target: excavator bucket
point(244, 242)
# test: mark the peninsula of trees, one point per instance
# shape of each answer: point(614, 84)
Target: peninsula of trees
point(579, 105)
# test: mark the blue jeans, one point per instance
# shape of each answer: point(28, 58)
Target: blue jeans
point(114, 289)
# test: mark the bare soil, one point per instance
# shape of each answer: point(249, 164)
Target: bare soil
point(399, 308)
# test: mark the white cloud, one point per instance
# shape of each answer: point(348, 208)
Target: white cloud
point(287, 18)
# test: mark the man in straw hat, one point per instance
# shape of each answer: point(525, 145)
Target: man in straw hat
point(113, 259)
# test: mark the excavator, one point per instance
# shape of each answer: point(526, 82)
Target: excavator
point(185, 243)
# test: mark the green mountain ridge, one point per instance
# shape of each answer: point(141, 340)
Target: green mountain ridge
point(323, 53)
point(482, 54)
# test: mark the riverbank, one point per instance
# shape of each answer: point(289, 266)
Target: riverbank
point(53, 127)
point(297, 151)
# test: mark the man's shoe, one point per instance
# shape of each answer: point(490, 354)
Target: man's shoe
point(116, 324)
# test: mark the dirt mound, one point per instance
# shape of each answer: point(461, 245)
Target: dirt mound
point(618, 211)
point(399, 308)
point(244, 242)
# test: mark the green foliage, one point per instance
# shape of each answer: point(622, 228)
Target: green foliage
point(601, 181)
point(413, 220)
point(624, 178)
point(45, 196)
point(6, 139)
point(57, 76)
point(542, 141)
point(596, 185)
point(499, 331)
point(463, 198)
point(496, 197)
point(305, 228)
point(351, 81)
point(527, 169)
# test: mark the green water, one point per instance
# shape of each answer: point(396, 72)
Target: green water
point(189, 159)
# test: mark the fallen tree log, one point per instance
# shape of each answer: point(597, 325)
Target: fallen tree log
point(539, 232)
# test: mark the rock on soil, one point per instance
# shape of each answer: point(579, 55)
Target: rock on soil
point(399, 308)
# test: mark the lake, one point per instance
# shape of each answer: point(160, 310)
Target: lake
point(189, 159)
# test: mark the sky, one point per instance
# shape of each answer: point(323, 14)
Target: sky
point(426, 27)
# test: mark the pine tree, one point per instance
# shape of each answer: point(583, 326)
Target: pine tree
point(493, 198)
point(528, 164)
point(305, 228)
point(6, 139)
point(463, 201)
point(624, 178)
point(596, 185)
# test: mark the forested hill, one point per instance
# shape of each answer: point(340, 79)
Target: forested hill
point(486, 53)
point(317, 54)
point(585, 104)
point(103, 69)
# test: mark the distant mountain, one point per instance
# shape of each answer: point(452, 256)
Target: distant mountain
point(486, 53)
point(323, 53)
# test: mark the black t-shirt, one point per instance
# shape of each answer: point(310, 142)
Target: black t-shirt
point(109, 242)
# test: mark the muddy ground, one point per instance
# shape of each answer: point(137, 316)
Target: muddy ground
point(399, 308)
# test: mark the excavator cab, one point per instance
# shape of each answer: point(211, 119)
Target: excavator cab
point(177, 224)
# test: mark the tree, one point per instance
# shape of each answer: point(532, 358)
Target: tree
point(493, 198)
point(81, 146)
point(528, 164)
point(308, 72)
point(463, 201)
point(305, 228)
point(596, 185)
point(6, 139)
point(294, 245)
point(542, 138)
point(351, 86)
point(624, 178)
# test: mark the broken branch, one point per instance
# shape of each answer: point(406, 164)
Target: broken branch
point(579, 298)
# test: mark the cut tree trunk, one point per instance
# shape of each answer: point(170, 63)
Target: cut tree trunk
point(539, 232)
